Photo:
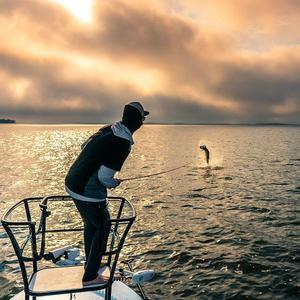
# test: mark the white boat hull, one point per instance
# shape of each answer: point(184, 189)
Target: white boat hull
point(120, 291)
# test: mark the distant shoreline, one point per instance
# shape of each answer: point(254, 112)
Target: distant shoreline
point(7, 121)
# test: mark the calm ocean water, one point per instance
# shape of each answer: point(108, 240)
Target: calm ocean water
point(231, 231)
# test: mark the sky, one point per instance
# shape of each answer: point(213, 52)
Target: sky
point(190, 61)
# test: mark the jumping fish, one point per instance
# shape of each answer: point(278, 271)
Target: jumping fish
point(203, 147)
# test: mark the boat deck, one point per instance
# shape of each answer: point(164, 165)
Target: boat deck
point(59, 279)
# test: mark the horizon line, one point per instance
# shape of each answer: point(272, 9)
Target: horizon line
point(165, 123)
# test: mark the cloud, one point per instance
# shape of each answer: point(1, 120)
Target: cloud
point(264, 85)
point(49, 89)
point(171, 55)
point(269, 21)
point(168, 109)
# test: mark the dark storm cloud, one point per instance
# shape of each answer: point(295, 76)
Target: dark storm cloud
point(167, 109)
point(256, 84)
point(64, 115)
point(96, 102)
point(261, 85)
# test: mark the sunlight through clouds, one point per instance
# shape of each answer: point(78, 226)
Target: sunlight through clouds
point(81, 9)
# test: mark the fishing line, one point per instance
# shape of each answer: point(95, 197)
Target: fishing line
point(154, 174)
point(203, 147)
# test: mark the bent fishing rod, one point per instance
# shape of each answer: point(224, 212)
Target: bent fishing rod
point(154, 174)
point(203, 147)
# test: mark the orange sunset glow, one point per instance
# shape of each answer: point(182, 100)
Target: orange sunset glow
point(188, 61)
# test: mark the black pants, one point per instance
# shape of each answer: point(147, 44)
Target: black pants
point(96, 230)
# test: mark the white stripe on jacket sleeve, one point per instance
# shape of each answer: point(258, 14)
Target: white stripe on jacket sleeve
point(106, 177)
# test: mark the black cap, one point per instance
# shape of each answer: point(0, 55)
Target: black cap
point(140, 108)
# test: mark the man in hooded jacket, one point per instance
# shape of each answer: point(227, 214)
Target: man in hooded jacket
point(102, 155)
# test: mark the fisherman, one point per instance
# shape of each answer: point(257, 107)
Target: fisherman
point(102, 155)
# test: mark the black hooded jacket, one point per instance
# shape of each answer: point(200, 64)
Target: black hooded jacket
point(102, 148)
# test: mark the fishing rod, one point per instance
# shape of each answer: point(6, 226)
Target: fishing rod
point(203, 147)
point(154, 174)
